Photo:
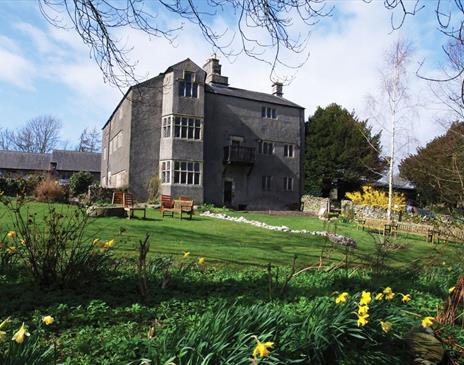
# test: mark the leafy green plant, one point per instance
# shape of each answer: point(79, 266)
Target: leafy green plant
point(79, 182)
point(56, 250)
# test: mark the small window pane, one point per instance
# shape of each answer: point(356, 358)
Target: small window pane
point(197, 133)
point(177, 131)
point(188, 76)
point(190, 179)
point(263, 111)
point(274, 114)
point(268, 112)
point(188, 89)
point(195, 91)
point(181, 88)
point(197, 178)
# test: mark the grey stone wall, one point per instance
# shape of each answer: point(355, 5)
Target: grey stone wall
point(358, 211)
point(227, 116)
point(314, 204)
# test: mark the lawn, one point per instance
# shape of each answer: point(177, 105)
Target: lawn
point(206, 315)
point(237, 244)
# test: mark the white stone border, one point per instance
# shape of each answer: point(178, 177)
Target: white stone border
point(334, 238)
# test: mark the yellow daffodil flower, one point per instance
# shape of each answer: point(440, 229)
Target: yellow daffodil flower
point(341, 298)
point(427, 322)
point(450, 290)
point(96, 241)
point(362, 320)
point(11, 234)
point(109, 243)
point(363, 309)
point(11, 250)
point(386, 326)
point(379, 297)
point(388, 292)
point(365, 298)
point(405, 298)
point(2, 335)
point(201, 261)
point(186, 254)
point(48, 320)
point(20, 334)
point(262, 348)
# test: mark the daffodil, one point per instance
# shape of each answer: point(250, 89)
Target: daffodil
point(262, 348)
point(362, 320)
point(48, 320)
point(388, 292)
point(11, 234)
point(96, 241)
point(11, 250)
point(363, 310)
point(386, 326)
point(109, 244)
point(186, 254)
point(201, 261)
point(23, 242)
point(379, 297)
point(450, 290)
point(20, 334)
point(405, 298)
point(365, 298)
point(341, 298)
point(427, 322)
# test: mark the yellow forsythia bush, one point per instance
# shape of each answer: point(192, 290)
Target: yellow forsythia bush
point(376, 198)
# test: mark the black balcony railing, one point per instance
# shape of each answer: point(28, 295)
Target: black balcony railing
point(239, 155)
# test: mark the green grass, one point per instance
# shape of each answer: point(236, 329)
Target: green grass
point(238, 244)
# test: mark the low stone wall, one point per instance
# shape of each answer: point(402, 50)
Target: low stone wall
point(314, 204)
point(351, 210)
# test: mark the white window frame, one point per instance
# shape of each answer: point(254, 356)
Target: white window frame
point(186, 126)
point(184, 91)
point(266, 146)
point(166, 171)
point(289, 148)
point(184, 171)
point(288, 183)
point(268, 112)
point(166, 130)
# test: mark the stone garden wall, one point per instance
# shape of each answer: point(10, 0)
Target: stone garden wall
point(351, 210)
point(314, 204)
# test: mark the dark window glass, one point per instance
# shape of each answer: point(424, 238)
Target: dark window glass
point(268, 112)
point(188, 76)
point(197, 133)
point(181, 88)
point(188, 89)
point(197, 178)
point(263, 111)
point(195, 91)
point(274, 114)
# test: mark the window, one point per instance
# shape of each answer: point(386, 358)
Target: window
point(166, 172)
point(187, 86)
point(267, 112)
point(266, 148)
point(187, 128)
point(288, 183)
point(187, 172)
point(167, 127)
point(288, 150)
point(266, 183)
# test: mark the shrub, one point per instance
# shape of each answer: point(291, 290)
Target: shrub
point(375, 198)
point(99, 195)
point(20, 185)
point(49, 191)
point(80, 182)
point(153, 187)
point(55, 248)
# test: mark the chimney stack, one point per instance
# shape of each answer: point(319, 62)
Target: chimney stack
point(212, 68)
point(277, 89)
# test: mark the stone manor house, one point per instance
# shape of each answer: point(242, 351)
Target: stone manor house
point(206, 140)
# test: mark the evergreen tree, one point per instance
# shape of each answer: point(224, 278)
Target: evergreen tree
point(341, 151)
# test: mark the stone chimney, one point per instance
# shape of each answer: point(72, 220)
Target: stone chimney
point(213, 72)
point(277, 89)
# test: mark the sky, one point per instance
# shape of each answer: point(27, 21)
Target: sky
point(48, 70)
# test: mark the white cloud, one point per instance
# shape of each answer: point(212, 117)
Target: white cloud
point(16, 69)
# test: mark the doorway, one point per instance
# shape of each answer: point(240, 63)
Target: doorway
point(228, 185)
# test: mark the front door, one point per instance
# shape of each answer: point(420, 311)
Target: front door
point(228, 193)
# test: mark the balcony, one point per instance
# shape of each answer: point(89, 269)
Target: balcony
point(239, 155)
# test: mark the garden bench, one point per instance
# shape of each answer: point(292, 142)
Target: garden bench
point(167, 205)
point(130, 207)
point(183, 205)
point(127, 202)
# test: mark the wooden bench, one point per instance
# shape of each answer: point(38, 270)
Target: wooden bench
point(167, 205)
point(127, 202)
point(182, 206)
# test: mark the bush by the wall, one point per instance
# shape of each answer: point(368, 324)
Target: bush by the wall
point(99, 195)
point(50, 191)
point(13, 186)
point(80, 182)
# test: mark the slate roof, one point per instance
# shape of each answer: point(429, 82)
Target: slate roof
point(250, 95)
point(76, 161)
point(24, 161)
point(65, 161)
point(398, 183)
